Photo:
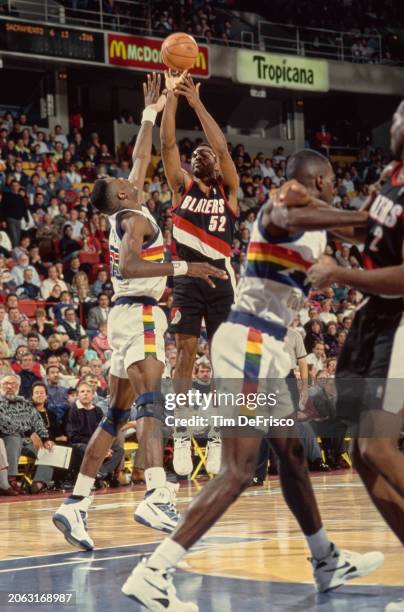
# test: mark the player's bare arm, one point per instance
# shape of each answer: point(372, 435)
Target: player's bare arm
point(384, 281)
point(131, 265)
point(154, 102)
point(292, 209)
point(214, 135)
point(176, 176)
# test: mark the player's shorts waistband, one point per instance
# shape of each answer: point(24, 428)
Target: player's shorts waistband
point(135, 299)
point(271, 328)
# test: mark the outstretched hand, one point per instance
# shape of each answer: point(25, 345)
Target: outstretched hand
point(186, 87)
point(151, 91)
point(172, 80)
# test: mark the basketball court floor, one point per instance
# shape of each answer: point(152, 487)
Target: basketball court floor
point(254, 559)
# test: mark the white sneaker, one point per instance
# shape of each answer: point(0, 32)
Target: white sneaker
point(154, 589)
point(395, 606)
point(342, 565)
point(158, 511)
point(71, 519)
point(173, 487)
point(182, 460)
point(213, 455)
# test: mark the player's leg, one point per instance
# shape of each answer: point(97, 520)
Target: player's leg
point(389, 503)
point(331, 566)
point(381, 450)
point(150, 581)
point(157, 510)
point(216, 313)
point(186, 321)
point(71, 516)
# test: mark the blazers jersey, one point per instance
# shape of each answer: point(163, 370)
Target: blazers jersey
point(203, 224)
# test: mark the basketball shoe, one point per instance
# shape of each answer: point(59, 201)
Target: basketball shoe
point(158, 510)
point(71, 519)
point(395, 606)
point(213, 454)
point(154, 589)
point(342, 565)
point(182, 460)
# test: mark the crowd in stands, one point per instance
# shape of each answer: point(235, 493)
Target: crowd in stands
point(365, 24)
point(55, 289)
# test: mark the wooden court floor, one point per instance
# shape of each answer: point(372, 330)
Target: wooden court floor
point(255, 558)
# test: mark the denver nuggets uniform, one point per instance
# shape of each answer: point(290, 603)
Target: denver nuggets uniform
point(136, 325)
point(203, 231)
point(370, 370)
point(250, 347)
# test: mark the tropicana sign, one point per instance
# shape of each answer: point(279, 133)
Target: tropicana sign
point(288, 71)
point(141, 53)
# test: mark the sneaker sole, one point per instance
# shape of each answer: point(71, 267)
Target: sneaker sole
point(158, 527)
point(63, 525)
point(354, 575)
point(372, 568)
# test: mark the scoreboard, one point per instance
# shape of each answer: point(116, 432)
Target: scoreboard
point(52, 41)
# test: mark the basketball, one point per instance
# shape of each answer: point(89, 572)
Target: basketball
point(179, 51)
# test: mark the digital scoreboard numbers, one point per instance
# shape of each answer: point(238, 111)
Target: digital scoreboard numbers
point(52, 41)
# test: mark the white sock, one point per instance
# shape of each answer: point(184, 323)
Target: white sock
point(4, 479)
point(83, 485)
point(319, 544)
point(155, 478)
point(166, 555)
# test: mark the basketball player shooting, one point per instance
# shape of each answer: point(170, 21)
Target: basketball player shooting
point(269, 295)
point(370, 370)
point(204, 216)
point(136, 327)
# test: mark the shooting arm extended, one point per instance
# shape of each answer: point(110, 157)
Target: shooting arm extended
point(214, 136)
point(169, 149)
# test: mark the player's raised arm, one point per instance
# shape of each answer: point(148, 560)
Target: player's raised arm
point(154, 103)
point(176, 177)
point(382, 281)
point(214, 135)
point(132, 265)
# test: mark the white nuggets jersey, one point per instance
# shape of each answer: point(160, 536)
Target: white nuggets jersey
point(274, 284)
point(152, 250)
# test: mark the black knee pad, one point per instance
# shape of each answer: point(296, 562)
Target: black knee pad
point(114, 419)
point(150, 405)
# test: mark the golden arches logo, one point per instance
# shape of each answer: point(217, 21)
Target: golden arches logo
point(117, 48)
point(200, 61)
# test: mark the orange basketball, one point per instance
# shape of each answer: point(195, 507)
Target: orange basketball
point(179, 51)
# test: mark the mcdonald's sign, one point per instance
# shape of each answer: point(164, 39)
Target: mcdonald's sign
point(141, 53)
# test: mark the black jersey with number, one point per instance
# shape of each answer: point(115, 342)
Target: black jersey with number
point(204, 224)
point(385, 230)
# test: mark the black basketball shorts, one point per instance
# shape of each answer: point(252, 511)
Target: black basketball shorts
point(194, 300)
point(370, 368)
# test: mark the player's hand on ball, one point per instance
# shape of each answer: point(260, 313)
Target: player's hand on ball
point(172, 80)
point(151, 90)
point(205, 271)
point(186, 87)
point(321, 274)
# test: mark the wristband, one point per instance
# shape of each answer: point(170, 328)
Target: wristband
point(149, 115)
point(180, 268)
